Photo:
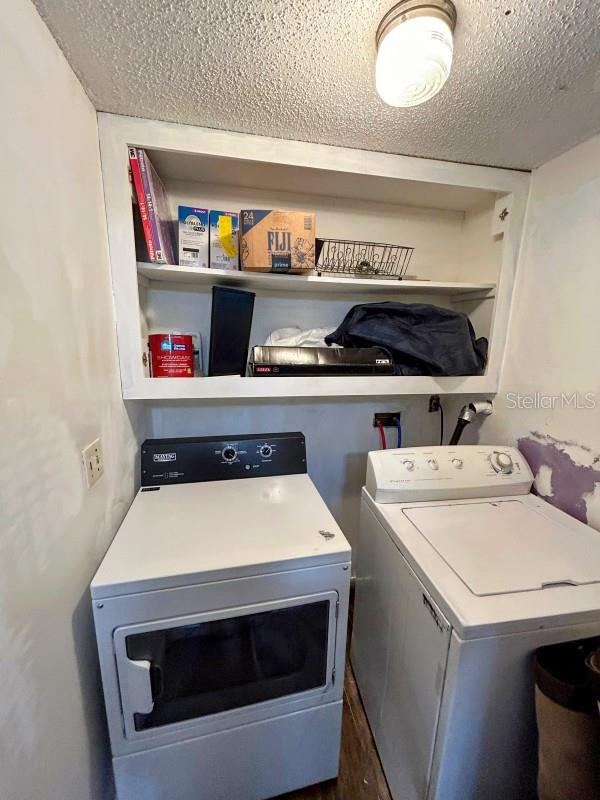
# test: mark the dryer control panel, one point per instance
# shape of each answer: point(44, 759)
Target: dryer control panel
point(420, 474)
point(208, 458)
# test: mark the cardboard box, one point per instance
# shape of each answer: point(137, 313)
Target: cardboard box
point(224, 240)
point(193, 236)
point(277, 241)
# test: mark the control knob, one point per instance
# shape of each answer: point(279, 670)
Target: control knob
point(457, 463)
point(229, 453)
point(410, 465)
point(501, 462)
point(433, 464)
point(266, 451)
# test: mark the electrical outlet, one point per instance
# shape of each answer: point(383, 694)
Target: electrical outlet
point(92, 462)
point(389, 419)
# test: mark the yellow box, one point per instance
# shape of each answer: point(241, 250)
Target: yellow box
point(277, 241)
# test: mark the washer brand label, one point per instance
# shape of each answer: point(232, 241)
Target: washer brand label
point(163, 457)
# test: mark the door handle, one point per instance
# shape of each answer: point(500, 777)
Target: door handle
point(138, 688)
point(554, 584)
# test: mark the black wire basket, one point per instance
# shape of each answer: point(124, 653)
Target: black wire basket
point(363, 259)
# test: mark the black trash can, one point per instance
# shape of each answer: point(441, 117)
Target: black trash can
point(592, 663)
point(568, 722)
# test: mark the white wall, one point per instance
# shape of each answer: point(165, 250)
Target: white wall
point(554, 339)
point(60, 389)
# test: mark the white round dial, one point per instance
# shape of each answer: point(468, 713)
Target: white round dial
point(410, 465)
point(433, 464)
point(457, 463)
point(229, 453)
point(501, 462)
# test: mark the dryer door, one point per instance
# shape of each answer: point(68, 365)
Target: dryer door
point(179, 670)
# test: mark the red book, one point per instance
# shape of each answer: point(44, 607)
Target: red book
point(149, 197)
point(139, 190)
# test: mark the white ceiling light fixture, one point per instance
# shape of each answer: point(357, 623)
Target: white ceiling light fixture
point(414, 51)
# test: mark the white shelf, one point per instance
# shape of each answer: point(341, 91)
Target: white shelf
point(234, 387)
point(271, 176)
point(304, 283)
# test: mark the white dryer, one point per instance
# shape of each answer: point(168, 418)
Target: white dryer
point(461, 574)
point(220, 612)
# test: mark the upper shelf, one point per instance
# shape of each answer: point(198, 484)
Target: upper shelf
point(262, 175)
point(305, 283)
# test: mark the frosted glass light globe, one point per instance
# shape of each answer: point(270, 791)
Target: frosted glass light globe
point(414, 59)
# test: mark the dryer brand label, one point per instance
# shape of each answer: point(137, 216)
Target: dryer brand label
point(163, 457)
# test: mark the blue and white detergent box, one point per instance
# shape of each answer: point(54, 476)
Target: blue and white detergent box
point(193, 236)
point(224, 239)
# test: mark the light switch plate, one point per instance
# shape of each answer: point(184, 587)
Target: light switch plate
point(92, 462)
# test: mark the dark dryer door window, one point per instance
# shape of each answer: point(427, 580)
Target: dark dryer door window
point(192, 667)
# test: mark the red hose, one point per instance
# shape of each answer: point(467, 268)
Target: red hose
point(382, 435)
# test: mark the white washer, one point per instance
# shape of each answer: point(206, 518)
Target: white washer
point(220, 612)
point(462, 574)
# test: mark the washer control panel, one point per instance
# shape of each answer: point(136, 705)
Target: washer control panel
point(191, 460)
point(419, 474)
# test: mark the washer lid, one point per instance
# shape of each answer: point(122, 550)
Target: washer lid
point(506, 546)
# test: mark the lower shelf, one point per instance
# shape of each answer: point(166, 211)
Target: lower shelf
point(234, 387)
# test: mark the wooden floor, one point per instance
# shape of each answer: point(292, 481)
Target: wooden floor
point(361, 776)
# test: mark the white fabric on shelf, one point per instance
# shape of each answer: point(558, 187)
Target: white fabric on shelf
point(296, 337)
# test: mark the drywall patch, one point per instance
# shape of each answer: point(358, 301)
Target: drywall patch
point(543, 482)
point(592, 503)
point(573, 471)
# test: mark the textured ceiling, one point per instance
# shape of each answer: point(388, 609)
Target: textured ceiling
point(524, 86)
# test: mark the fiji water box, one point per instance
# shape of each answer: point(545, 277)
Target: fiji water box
point(224, 239)
point(193, 237)
point(278, 241)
